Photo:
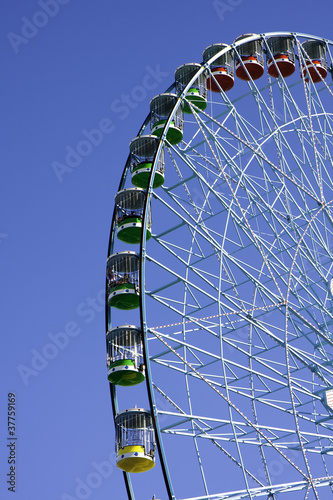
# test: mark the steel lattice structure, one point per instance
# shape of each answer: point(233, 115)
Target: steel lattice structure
point(236, 301)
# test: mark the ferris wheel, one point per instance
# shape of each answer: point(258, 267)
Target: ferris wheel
point(219, 296)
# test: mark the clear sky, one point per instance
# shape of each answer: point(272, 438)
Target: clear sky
point(76, 81)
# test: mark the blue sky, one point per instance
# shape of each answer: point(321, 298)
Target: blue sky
point(76, 84)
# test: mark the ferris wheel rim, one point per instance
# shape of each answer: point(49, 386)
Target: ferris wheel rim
point(142, 252)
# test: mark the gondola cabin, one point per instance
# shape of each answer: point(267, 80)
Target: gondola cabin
point(142, 152)
point(250, 59)
point(197, 93)
point(221, 74)
point(314, 52)
point(161, 106)
point(123, 280)
point(135, 440)
point(280, 56)
point(125, 355)
point(129, 215)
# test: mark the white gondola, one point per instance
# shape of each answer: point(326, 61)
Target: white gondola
point(197, 94)
point(280, 56)
point(123, 280)
point(143, 150)
point(125, 355)
point(314, 52)
point(250, 65)
point(221, 75)
point(161, 107)
point(129, 215)
point(135, 440)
